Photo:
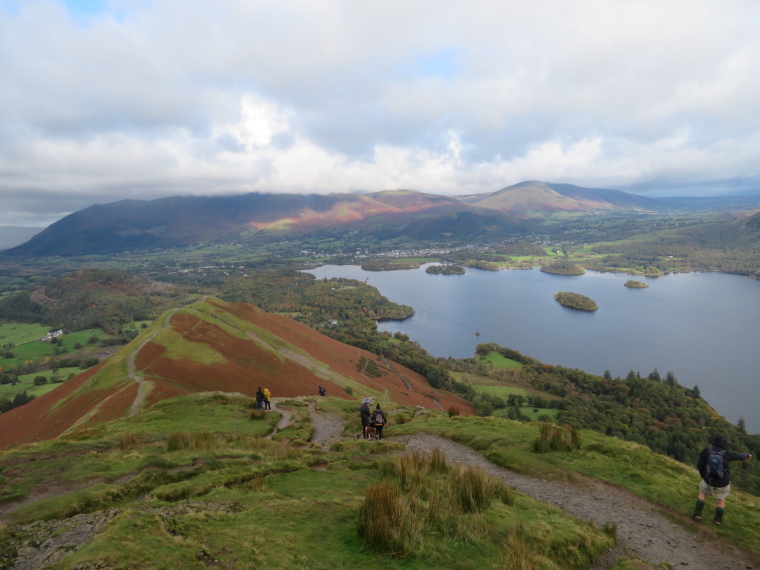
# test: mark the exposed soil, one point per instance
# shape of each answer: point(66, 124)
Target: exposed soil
point(643, 529)
point(327, 427)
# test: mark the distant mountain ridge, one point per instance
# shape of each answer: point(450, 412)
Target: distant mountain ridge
point(184, 221)
point(534, 197)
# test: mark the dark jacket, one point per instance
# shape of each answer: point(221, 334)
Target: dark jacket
point(381, 414)
point(719, 444)
point(364, 412)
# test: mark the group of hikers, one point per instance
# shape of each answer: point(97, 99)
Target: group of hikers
point(374, 420)
point(263, 399)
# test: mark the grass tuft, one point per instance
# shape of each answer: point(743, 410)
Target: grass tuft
point(556, 438)
point(453, 411)
point(130, 441)
point(386, 522)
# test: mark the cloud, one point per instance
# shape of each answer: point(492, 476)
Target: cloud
point(138, 98)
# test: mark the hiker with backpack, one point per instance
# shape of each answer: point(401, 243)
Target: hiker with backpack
point(378, 421)
point(364, 415)
point(713, 466)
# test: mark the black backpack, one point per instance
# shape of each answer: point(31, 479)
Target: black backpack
point(377, 418)
point(714, 468)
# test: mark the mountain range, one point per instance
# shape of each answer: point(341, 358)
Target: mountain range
point(184, 221)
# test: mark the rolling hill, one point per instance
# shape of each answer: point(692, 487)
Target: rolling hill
point(178, 221)
point(181, 221)
point(216, 346)
point(534, 197)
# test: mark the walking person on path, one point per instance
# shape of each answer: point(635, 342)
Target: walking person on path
point(713, 466)
point(364, 415)
point(267, 402)
point(378, 421)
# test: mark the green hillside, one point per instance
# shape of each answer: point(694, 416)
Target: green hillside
point(196, 481)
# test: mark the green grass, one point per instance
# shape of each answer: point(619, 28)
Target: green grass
point(245, 501)
point(34, 352)
point(26, 382)
point(626, 464)
point(20, 333)
point(499, 362)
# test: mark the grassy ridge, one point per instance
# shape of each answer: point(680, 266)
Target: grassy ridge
point(626, 464)
point(232, 497)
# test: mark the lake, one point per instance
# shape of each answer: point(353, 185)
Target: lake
point(701, 326)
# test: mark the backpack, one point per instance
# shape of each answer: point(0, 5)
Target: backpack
point(714, 468)
point(377, 418)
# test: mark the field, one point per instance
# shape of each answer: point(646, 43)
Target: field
point(32, 353)
point(26, 383)
point(21, 333)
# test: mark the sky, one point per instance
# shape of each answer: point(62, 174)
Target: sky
point(102, 100)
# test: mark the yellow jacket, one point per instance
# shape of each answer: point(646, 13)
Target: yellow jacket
point(267, 393)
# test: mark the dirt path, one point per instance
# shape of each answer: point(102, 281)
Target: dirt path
point(285, 420)
point(642, 528)
point(327, 427)
point(142, 386)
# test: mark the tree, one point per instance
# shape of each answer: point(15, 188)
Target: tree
point(40, 380)
point(741, 425)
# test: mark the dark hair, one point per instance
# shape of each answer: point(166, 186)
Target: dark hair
point(719, 441)
point(377, 407)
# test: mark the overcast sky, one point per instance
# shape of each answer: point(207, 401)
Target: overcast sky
point(102, 100)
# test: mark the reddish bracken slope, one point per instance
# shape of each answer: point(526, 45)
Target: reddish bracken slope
point(218, 346)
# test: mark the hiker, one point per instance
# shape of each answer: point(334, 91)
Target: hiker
point(259, 399)
point(364, 415)
point(322, 391)
point(378, 421)
point(267, 396)
point(713, 467)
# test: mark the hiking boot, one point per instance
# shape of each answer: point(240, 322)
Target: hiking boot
point(718, 521)
point(696, 517)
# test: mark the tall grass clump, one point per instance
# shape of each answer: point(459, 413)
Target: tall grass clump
point(201, 440)
point(204, 440)
point(130, 441)
point(518, 555)
point(177, 441)
point(386, 522)
point(453, 411)
point(556, 438)
point(258, 414)
point(470, 489)
point(439, 500)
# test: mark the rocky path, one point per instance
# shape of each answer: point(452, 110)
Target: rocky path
point(642, 528)
point(327, 427)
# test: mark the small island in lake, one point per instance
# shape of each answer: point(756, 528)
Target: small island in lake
point(635, 284)
point(447, 269)
point(563, 267)
point(389, 265)
point(575, 301)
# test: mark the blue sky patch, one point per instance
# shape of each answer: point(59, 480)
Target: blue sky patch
point(443, 63)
